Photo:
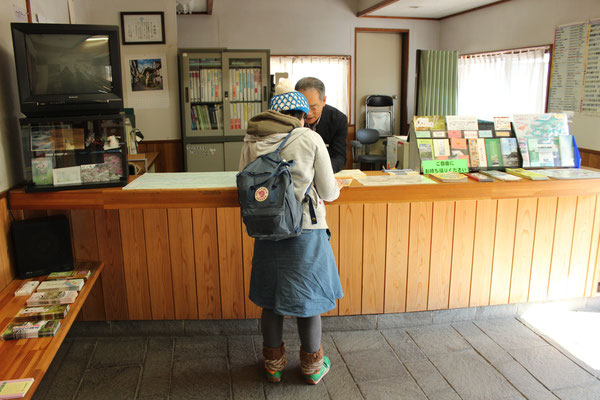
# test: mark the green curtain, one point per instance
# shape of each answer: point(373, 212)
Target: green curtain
point(438, 82)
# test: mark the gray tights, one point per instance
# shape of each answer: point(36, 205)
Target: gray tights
point(309, 330)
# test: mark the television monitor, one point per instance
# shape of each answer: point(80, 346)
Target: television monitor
point(67, 69)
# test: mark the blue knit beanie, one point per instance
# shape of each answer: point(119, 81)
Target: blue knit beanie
point(287, 99)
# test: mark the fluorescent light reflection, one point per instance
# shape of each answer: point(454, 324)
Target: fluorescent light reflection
point(575, 331)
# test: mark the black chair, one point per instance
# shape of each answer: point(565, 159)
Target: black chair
point(379, 112)
point(366, 137)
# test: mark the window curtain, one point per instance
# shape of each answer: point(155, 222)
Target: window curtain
point(503, 84)
point(437, 82)
point(333, 71)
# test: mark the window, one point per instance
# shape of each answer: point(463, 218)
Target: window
point(334, 71)
point(503, 83)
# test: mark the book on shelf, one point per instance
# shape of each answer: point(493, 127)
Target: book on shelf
point(73, 274)
point(510, 152)
point(429, 123)
point(527, 174)
point(31, 329)
point(450, 176)
point(502, 124)
point(477, 152)
point(57, 311)
point(479, 177)
point(53, 297)
point(61, 284)
point(425, 149)
point(15, 388)
point(568, 173)
point(494, 152)
point(459, 150)
point(566, 150)
point(502, 176)
point(441, 149)
point(461, 123)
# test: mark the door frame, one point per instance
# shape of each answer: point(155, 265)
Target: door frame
point(404, 35)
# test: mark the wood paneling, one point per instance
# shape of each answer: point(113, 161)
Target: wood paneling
point(134, 264)
point(252, 310)
point(85, 248)
point(503, 251)
point(170, 154)
point(483, 252)
point(590, 286)
point(580, 251)
point(442, 233)
point(523, 251)
point(351, 253)
point(561, 249)
point(108, 232)
point(462, 253)
point(158, 256)
point(7, 272)
point(206, 256)
point(333, 222)
point(230, 262)
point(542, 248)
point(183, 269)
point(374, 231)
point(396, 260)
point(419, 248)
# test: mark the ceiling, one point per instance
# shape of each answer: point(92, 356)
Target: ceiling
point(428, 9)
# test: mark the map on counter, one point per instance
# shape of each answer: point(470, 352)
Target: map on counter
point(391, 180)
point(184, 180)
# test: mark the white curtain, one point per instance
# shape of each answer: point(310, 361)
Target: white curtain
point(332, 70)
point(503, 84)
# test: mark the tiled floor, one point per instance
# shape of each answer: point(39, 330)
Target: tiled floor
point(473, 360)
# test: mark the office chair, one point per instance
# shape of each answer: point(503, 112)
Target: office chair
point(365, 138)
point(379, 111)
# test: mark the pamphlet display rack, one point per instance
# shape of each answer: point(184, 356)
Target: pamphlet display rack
point(74, 152)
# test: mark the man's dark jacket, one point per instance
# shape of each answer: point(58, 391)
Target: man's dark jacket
point(333, 128)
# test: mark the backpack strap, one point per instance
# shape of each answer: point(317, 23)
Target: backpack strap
point(311, 208)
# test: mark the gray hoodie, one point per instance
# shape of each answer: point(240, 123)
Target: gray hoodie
point(306, 147)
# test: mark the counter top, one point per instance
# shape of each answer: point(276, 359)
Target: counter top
point(117, 198)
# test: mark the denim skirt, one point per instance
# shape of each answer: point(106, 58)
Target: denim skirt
point(296, 277)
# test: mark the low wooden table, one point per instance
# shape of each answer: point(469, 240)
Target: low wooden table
point(30, 358)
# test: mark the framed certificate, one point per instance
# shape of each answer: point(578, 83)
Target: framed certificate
point(146, 27)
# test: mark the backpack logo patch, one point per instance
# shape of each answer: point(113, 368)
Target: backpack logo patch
point(261, 193)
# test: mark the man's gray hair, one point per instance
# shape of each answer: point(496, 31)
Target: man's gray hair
point(311, 83)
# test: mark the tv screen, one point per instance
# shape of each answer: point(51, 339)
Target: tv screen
point(73, 69)
point(69, 64)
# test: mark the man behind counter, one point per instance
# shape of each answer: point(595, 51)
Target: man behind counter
point(327, 121)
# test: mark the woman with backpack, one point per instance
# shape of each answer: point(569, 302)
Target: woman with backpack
point(297, 276)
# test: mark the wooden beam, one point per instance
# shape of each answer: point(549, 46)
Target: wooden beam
point(375, 7)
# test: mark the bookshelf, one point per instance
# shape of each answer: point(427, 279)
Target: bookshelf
point(220, 91)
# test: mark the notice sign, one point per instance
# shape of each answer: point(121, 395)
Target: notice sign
point(440, 166)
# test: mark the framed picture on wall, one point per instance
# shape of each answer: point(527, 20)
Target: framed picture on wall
point(144, 27)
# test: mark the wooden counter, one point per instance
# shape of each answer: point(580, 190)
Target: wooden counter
point(183, 254)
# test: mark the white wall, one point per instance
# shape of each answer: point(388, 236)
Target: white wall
point(158, 123)
point(11, 170)
point(297, 27)
point(521, 23)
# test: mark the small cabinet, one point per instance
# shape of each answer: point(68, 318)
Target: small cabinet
point(76, 152)
point(220, 91)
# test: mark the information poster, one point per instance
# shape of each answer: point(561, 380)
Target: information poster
point(591, 86)
point(575, 76)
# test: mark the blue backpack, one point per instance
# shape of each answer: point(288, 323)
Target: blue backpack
point(269, 206)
